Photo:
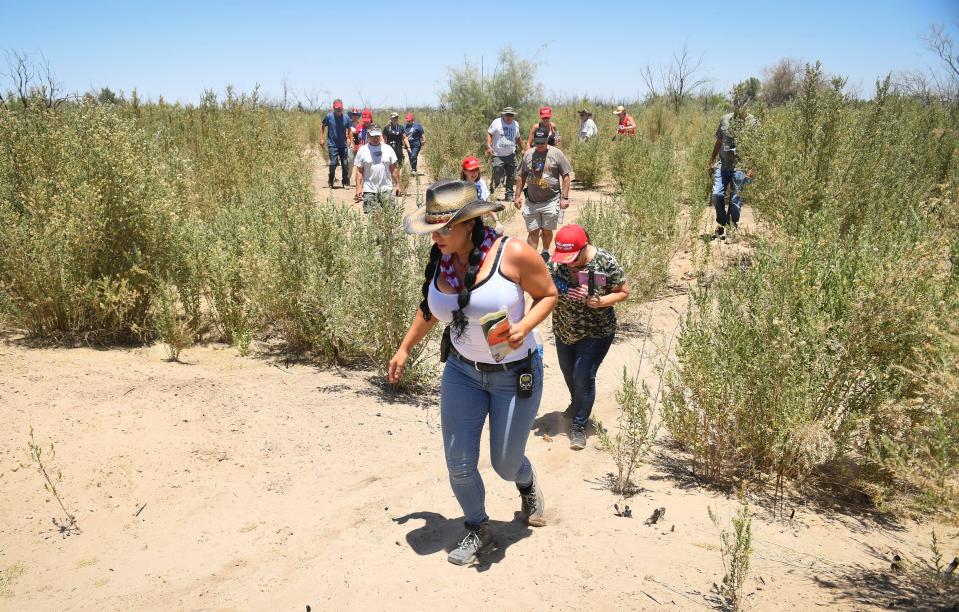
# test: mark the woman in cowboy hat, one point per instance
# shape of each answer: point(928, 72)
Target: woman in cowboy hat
point(465, 288)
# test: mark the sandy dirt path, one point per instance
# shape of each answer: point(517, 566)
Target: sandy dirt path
point(266, 487)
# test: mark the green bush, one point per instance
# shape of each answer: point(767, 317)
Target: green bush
point(796, 360)
point(90, 222)
point(588, 162)
point(639, 225)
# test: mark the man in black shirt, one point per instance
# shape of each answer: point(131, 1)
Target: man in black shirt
point(395, 136)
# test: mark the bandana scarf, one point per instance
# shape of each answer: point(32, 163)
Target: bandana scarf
point(446, 262)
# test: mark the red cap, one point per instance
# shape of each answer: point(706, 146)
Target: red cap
point(545, 112)
point(471, 163)
point(409, 116)
point(570, 240)
point(337, 104)
point(355, 111)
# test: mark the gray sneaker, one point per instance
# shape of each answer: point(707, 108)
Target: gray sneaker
point(534, 504)
point(577, 437)
point(477, 540)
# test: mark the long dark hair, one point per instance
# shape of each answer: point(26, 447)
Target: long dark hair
point(463, 299)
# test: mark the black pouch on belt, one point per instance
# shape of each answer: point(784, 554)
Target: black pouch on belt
point(525, 379)
point(445, 344)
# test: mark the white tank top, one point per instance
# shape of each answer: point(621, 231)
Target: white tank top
point(487, 296)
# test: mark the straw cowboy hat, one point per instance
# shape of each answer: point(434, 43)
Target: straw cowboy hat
point(448, 202)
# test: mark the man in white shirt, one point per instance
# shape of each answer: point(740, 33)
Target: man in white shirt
point(377, 176)
point(502, 138)
point(587, 127)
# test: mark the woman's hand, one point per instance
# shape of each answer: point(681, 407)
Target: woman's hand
point(397, 365)
point(517, 334)
point(594, 301)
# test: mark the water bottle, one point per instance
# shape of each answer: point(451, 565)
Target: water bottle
point(539, 342)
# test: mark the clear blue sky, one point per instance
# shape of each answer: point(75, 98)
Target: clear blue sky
point(394, 54)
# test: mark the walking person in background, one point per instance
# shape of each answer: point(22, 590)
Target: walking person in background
point(361, 128)
point(589, 281)
point(352, 140)
point(416, 136)
point(545, 113)
point(726, 177)
point(587, 127)
point(336, 129)
point(377, 174)
point(395, 136)
point(475, 282)
point(627, 125)
point(544, 172)
point(471, 172)
point(502, 140)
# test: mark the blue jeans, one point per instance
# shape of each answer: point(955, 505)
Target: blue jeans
point(466, 397)
point(339, 156)
point(723, 181)
point(414, 153)
point(579, 363)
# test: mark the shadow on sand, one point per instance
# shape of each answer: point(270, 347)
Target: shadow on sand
point(441, 534)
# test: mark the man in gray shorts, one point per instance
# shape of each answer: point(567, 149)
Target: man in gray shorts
point(544, 173)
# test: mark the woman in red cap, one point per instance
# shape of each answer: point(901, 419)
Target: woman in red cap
point(471, 172)
point(590, 281)
point(545, 113)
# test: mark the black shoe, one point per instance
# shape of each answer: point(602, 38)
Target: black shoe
point(346, 185)
point(720, 232)
point(545, 256)
point(477, 540)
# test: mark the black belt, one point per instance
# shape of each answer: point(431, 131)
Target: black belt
point(487, 367)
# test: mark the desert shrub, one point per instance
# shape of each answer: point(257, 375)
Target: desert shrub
point(477, 94)
point(637, 431)
point(384, 291)
point(736, 549)
point(792, 361)
point(450, 139)
point(787, 359)
point(90, 216)
point(588, 161)
point(639, 225)
point(171, 327)
point(918, 448)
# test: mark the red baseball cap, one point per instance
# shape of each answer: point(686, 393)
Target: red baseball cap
point(545, 112)
point(570, 240)
point(409, 116)
point(471, 163)
point(337, 104)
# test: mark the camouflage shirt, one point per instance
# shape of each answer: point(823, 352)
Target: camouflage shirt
point(573, 320)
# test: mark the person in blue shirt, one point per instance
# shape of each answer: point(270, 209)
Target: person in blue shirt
point(416, 137)
point(336, 128)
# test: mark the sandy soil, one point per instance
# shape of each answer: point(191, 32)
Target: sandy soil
point(232, 482)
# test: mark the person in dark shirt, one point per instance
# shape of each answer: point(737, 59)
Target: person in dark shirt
point(336, 129)
point(395, 136)
point(416, 136)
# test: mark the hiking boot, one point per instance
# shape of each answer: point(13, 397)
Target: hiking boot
point(477, 540)
point(534, 504)
point(577, 437)
point(720, 232)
